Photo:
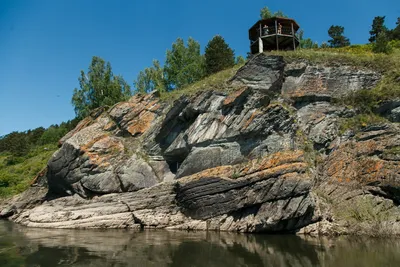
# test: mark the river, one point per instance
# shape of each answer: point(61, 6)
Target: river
point(20, 246)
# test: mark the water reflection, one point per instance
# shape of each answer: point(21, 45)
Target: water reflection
point(21, 246)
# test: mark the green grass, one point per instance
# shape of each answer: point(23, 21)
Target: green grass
point(360, 121)
point(217, 82)
point(16, 173)
point(360, 56)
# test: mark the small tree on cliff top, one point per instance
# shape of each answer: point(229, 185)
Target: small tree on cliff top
point(99, 87)
point(377, 27)
point(218, 55)
point(184, 64)
point(337, 38)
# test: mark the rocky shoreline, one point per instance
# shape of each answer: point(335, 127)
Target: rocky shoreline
point(266, 155)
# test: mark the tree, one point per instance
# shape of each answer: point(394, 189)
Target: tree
point(381, 44)
point(151, 79)
point(395, 33)
point(240, 60)
point(265, 13)
point(378, 26)
point(99, 87)
point(338, 40)
point(183, 65)
point(218, 55)
point(306, 43)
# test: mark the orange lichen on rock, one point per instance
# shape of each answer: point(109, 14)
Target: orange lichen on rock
point(101, 149)
point(141, 123)
point(232, 97)
point(280, 163)
point(250, 120)
point(357, 161)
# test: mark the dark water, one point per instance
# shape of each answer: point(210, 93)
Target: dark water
point(21, 246)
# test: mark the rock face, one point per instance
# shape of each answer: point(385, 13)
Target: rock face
point(267, 157)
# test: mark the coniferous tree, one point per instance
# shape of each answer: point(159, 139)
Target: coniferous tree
point(395, 33)
point(337, 38)
point(184, 64)
point(218, 55)
point(98, 87)
point(378, 26)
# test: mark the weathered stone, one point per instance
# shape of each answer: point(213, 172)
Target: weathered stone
point(308, 82)
point(208, 157)
point(262, 73)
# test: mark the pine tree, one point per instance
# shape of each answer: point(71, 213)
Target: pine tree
point(338, 40)
point(218, 55)
point(378, 26)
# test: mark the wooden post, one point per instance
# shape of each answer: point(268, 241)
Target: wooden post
point(260, 45)
point(294, 42)
point(260, 30)
point(276, 35)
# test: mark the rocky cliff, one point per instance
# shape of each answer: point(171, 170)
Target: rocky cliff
point(265, 154)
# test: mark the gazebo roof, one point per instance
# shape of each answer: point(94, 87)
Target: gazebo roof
point(279, 19)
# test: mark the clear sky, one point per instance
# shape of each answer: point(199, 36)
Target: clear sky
point(45, 43)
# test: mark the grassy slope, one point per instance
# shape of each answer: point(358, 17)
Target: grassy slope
point(16, 178)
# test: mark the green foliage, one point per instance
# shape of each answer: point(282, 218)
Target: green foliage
point(218, 82)
point(359, 122)
point(240, 60)
point(395, 33)
point(184, 65)
point(337, 38)
point(18, 144)
point(151, 79)
point(218, 55)
point(99, 87)
point(306, 43)
point(24, 154)
point(366, 101)
point(360, 56)
point(382, 44)
point(16, 176)
point(324, 45)
point(378, 26)
point(265, 13)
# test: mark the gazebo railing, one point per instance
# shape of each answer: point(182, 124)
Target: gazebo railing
point(271, 31)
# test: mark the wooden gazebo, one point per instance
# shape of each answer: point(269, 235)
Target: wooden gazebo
point(273, 34)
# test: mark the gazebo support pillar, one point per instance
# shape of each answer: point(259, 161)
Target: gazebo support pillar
point(293, 36)
point(276, 35)
point(260, 45)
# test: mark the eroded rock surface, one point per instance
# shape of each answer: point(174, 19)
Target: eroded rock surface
point(267, 157)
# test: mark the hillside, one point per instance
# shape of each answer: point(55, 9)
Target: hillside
point(304, 141)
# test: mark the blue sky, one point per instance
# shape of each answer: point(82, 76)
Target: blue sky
point(45, 43)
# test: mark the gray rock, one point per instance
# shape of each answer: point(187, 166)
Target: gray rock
point(309, 82)
point(262, 72)
point(201, 158)
point(136, 174)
